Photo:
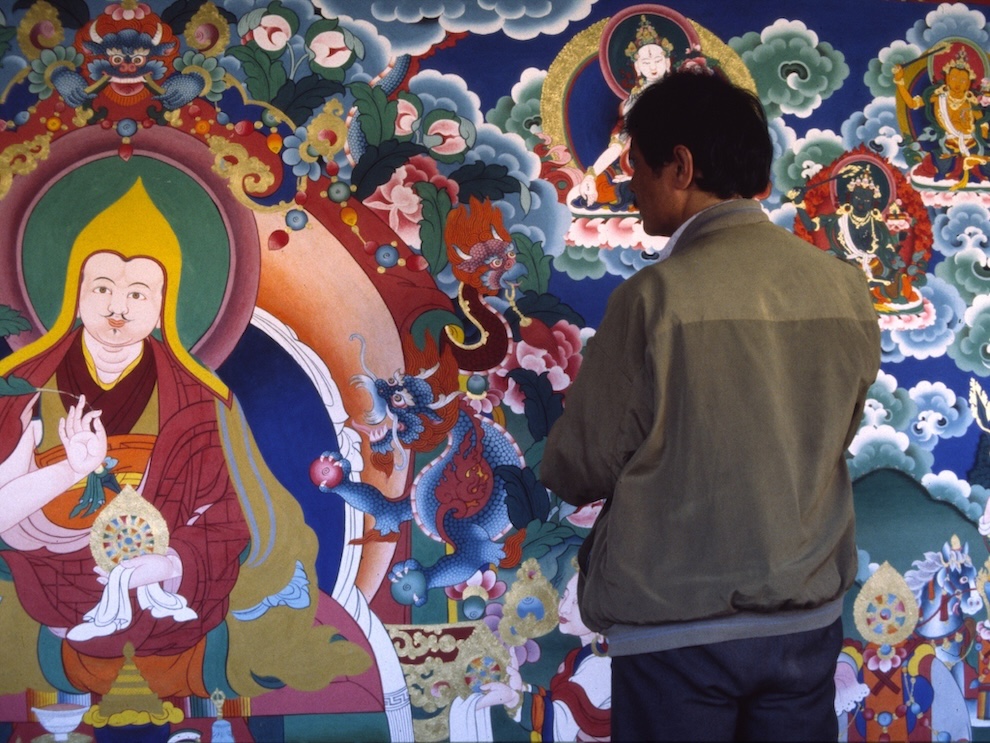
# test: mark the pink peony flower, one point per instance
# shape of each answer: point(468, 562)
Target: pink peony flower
point(399, 204)
point(561, 363)
point(444, 137)
point(329, 49)
point(483, 583)
point(406, 117)
point(273, 33)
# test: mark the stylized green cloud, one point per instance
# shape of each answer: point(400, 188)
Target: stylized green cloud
point(793, 70)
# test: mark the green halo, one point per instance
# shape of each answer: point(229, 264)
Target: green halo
point(72, 202)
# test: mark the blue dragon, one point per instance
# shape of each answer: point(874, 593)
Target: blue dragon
point(457, 499)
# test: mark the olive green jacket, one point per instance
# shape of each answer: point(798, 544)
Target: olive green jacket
point(713, 408)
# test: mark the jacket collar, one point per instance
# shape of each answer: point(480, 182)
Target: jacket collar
point(729, 213)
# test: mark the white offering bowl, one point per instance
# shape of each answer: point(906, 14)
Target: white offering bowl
point(60, 719)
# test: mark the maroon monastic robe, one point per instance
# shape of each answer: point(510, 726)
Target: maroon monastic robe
point(188, 483)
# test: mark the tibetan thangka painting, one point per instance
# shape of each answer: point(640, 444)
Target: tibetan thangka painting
point(292, 292)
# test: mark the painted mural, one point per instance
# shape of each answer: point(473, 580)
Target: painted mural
point(293, 290)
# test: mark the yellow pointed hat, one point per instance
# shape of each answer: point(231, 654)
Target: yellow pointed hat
point(131, 227)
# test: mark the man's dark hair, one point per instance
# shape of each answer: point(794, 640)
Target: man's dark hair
point(723, 126)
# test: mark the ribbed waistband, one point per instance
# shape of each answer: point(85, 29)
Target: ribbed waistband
point(627, 639)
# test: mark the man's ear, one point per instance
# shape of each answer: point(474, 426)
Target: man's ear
point(683, 166)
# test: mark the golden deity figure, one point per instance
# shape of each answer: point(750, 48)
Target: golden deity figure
point(958, 113)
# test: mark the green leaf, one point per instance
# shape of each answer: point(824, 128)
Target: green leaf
point(534, 455)
point(12, 322)
point(354, 43)
point(265, 74)
point(6, 34)
point(436, 207)
point(525, 497)
point(547, 308)
point(333, 74)
point(377, 113)
point(298, 100)
point(431, 323)
point(321, 26)
point(542, 536)
point(543, 406)
point(537, 263)
point(378, 163)
point(484, 181)
point(276, 8)
point(11, 386)
point(525, 197)
point(553, 545)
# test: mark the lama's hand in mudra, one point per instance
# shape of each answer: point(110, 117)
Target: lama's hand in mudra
point(84, 438)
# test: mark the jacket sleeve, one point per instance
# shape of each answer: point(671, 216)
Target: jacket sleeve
point(871, 367)
point(608, 409)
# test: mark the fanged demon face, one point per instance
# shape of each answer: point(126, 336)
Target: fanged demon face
point(480, 249)
point(126, 56)
point(492, 263)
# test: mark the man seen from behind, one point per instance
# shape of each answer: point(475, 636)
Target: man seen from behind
point(712, 412)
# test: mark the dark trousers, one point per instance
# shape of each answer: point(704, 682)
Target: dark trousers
point(778, 688)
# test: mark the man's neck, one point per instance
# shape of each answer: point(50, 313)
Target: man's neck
point(110, 362)
point(698, 200)
point(672, 240)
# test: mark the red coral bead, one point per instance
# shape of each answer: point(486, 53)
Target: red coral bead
point(326, 472)
point(278, 240)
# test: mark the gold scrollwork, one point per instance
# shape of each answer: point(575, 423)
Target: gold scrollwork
point(330, 119)
point(245, 173)
point(432, 729)
point(81, 117)
point(432, 684)
point(21, 159)
point(444, 662)
point(565, 67)
point(530, 606)
point(29, 40)
point(421, 643)
point(199, 31)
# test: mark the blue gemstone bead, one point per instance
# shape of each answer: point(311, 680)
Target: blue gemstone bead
point(127, 127)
